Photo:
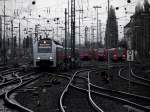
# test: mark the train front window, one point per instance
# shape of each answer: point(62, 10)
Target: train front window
point(45, 46)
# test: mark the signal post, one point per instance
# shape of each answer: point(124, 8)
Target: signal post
point(130, 58)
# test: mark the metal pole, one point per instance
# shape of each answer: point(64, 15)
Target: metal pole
point(79, 31)
point(86, 29)
point(0, 33)
point(12, 50)
point(53, 34)
point(8, 43)
point(73, 33)
point(93, 37)
point(108, 27)
point(65, 37)
point(147, 35)
point(108, 41)
point(108, 6)
point(97, 28)
point(68, 20)
point(35, 33)
point(5, 59)
point(100, 32)
point(24, 46)
point(14, 42)
point(97, 35)
point(19, 41)
point(129, 76)
point(57, 30)
point(79, 26)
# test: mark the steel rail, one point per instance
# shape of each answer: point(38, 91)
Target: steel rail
point(90, 98)
point(136, 82)
point(115, 91)
point(116, 98)
point(16, 104)
point(122, 92)
point(14, 81)
point(138, 77)
point(8, 71)
point(66, 89)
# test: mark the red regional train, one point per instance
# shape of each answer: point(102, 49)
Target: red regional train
point(117, 54)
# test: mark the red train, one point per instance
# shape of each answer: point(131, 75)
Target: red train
point(85, 54)
point(101, 54)
point(117, 54)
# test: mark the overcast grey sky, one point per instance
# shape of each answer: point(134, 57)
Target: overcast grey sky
point(55, 8)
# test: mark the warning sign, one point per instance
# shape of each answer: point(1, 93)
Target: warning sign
point(130, 55)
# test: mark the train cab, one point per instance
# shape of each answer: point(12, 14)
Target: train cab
point(124, 54)
point(85, 55)
point(44, 55)
point(47, 53)
point(115, 55)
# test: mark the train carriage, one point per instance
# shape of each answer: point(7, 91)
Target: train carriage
point(47, 53)
point(100, 54)
point(117, 54)
point(85, 55)
point(68, 56)
point(113, 54)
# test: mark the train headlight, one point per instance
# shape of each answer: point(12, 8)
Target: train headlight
point(38, 58)
point(115, 55)
point(123, 56)
point(50, 58)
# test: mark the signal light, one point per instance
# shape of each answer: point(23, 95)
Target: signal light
point(47, 21)
point(33, 2)
point(129, 1)
point(117, 8)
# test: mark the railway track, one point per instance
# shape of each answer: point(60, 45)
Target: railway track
point(10, 87)
point(134, 79)
point(76, 83)
point(7, 74)
point(123, 97)
point(22, 83)
point(140, 78)
point(79, 82)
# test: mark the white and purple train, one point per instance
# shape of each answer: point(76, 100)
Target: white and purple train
point(47, 53)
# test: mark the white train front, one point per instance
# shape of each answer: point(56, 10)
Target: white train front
point(47, 53)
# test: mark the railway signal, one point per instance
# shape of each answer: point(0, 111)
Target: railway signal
point(129, 1)
point(130, 55)
point(130, 58)
point(33, 2)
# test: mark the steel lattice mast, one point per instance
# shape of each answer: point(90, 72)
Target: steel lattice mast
point(73, 32)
